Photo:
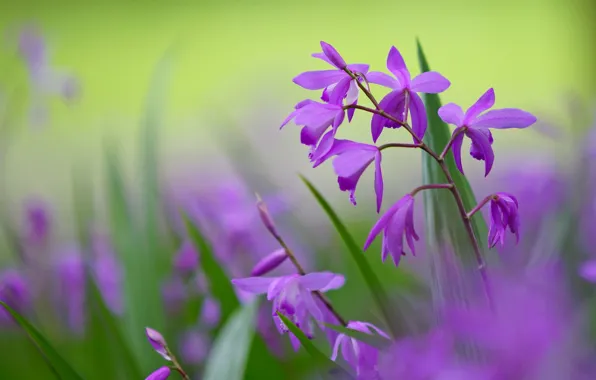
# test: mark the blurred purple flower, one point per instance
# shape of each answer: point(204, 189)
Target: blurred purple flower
point(37, 222)
point(588, 270)
point(210, 312)
point(476, 125)
point(503, 214)
point(396, 223)
point(70, 297)
point(352, 160)
point(157, 342)
point(159, 374)
point(269, 262)
point(15, 292)
point(186, 260)
point(174, 295)
point(404, 97)
point(359, 355)
point(292, 296)
point(194, 347)
point(108, 273)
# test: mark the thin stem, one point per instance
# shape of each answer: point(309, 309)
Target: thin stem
point(479, 206)
point(450, 143)
point(363, 88)
point(398, 145)
point(432, 186)
point(177, 365)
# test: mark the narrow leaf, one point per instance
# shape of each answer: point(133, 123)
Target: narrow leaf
point(372, 339)
point(57, 364)
point(228, 357)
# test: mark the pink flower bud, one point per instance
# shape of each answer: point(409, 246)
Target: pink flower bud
point(159, 374)
point(158, 342)
point(269, 262)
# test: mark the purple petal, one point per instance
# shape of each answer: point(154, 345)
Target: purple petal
point(340, 91)
point(456, 148)
point(383, 79)
point(430, 82)
point(482, 141)
point(505, 118)
point(378, 180)
point(588, 270)
point(361, 68)
point(392, 103)
point(451, 113)
point(486, 101)
point(277, 285)
point(352, 161)
point(311, 306)
point(159, 374)
point(394, 234)
point(323, 147)
point(317, 80)
point(255, 285)
point(418, 112)
point(311, 135)
point(316, 114)
point(475, 150)
point(157, 342)
point(384, 220)
point(320, 280)
point(333, 55)
point(397, 66)
point(372, 327)
point(338, 343)
point(322, 56)
point(269, 262)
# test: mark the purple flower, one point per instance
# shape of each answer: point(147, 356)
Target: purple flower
point(37, 222)
point(186, 260)
point(157, 342)
point(14, 291)
point(503, 214)
point(328, 80)
point(70, 271)
point(174, 294)
point(159, 374)
point(359, 355)
point(194, 347)
point(352, 160)
point(588, 270)
point(269, 262)
point(404, 97)
point(292, 296)
point(210, 312)
point(476, 125)
point(108, 273)
point(395, 223)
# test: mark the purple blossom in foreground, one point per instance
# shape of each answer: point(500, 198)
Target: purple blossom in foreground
point(70, 278)
point(359, 355)
point(328, 80)
point(396, 223)
point(157, 342)
point(159, 374)
point(292, 296)
point(14, 291)
point(186, 259)
point(351, 161)
point(404, 97)
point(503, 214)
point(476, 125)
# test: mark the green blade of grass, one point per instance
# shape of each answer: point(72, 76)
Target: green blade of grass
point(57, 364)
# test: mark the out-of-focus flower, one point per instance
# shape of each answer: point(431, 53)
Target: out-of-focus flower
point(108, 273)
point(397, 223)
point(186, 260)
point(352, 160)
point(588, 270)
point(174, 294)
point(159, 374)
point(70, 297)
point(269, 262)
point(359, 355)
point(14, 291)
point(503, 214)
point(210, 312)
point(194, 347)
point(404, 97)
point(37, 222)
point(157, 342)
point(476, 125)
point(292, 296)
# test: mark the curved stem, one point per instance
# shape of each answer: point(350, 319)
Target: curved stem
point(450, 143)
point(432, 186)
point(177, 365)
point(398, 145)
point(479, 206)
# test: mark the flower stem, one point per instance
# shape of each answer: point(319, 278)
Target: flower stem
point(481, 265)
point(432, 186)
point(450, 143)
point(176, 365)
point(479, 206)
point(398, 145)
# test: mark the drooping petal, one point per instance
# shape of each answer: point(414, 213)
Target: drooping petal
point(394, 234)
point(418, 112)
point(476, 150)
point(378, 180)
point(318, 280)
point(397, 66)
point(430, 82)
point(293, 113)
point(277, 285)
point(384, 221)
point(255, 285)
point(349, 162)
point(410, 231)
point(505, 118)
point(372, 327)
point(393, 103)
point(316, 114)
point(483, 144)
point(310, 135)
point(451, 113)
point(456, 148)
point(333, 55)
point(319, 79)
point(310, 305)
point(383, 79)
point(486, 101)
point(338, 342)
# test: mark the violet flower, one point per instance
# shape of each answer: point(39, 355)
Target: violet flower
point(503, 214)
point(396, 223)
point(328, 80)
point(194, 347)
point(186, 259)
point(352, 160)
point(37, 222)
point(404, 97)
point(70, 271)
point(476, 125)
point(210, 312)
point(588, 270)
point(359, 355)
point(15, 292)
point(158, 342)
point(159, 374)
point(292, 296)
point(108, 273)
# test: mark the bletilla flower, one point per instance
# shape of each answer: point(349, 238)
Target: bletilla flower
point(329, 79)
point(210, 312)
point(108, 273)
point(292, 296)
point(186, 260)
point(351, 161)
point(70, 270)
point(37, 222)
point(14, 291)
point(588, 270)
point(159, 374)
point(476, 125)
point(404, 98)
point(194, 347)
point(359, 355)
point(158, 342)
point(503, 214)
point(396, 223)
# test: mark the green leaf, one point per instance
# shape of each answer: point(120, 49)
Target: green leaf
point(228, 356)
point(329, 368)
point(57, 364)
point(219, 284)
point(373, 283)
point(372, 339)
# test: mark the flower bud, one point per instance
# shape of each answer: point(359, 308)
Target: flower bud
point(157, 342)
point(159, 374)
point(269, 262)
point(266, 216)
point(333, 55)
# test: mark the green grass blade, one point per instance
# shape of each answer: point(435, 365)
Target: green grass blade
point(57, 364)
point(228, 357)
point(373, 283)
